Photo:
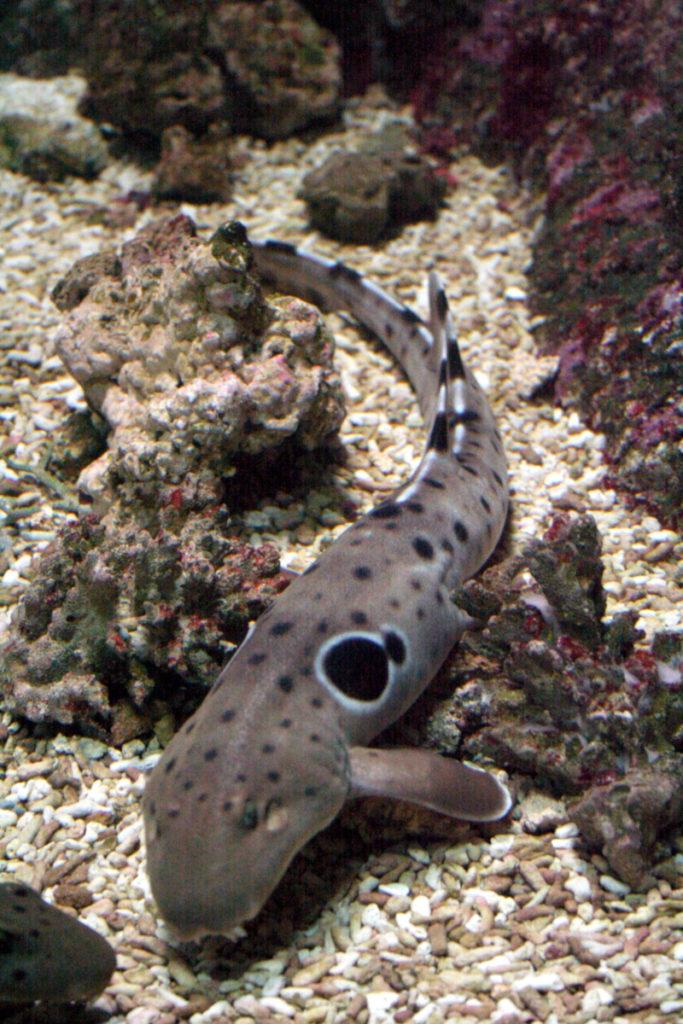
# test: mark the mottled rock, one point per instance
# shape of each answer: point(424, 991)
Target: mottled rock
point(265, 69)
point(163, 345)
point(281, 69)
point(194, 170)
point(116, 607)
point(624, 818)
point(204, 388)
point(41, 133)
point(359, 197)
point(547, 690)
point(586, 101)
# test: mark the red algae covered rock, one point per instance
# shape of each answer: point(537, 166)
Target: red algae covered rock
point(585, 100)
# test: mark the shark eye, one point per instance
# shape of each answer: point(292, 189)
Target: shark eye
point(358, 666)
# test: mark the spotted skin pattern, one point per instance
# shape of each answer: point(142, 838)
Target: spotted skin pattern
point(45, 954)
point(280, 741)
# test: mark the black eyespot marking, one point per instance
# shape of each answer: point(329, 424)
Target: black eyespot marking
point(249, 818)
point(359, 667)
point(187, 785)
point(256, 659)
point(393, 603)
point(395, 647)
point(447, 546)
point(431, 482)
point(362, 572)
point(227, 715)
point(356, 541)
point(316, 702)
point(416, 584)
point(359, 618)
point(389, 329)
point(280, 628)
point(322, 626)
point(415, 506)
point(170, 765)
point(286, 684)
point(438, 438)
point(439, 597)
point(314, 738)
point(310, 791)
point(423, 547)
point(267, 748)
point(460, 531)
point(390, 525)
point(420, 613)
point(469, 469)
point(211, 754)
point(273, 776)
point(173, 812)
point(241, 777)
point(285, 723)
point(484, 503)
point(202, 798)
point(190, 726)
point(348, 273)
point(306, 670)
point(497, 478)
point(387, 510)
point(227, 805)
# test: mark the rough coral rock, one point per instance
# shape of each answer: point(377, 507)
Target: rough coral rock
point(41, 133)
point(163, 343)
point(550, 691)
point(202, 384)
point(359, 197)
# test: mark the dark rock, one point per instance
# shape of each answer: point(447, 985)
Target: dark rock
point(583, 708)
point(585, 101)
point(264, 69)
point(281, 69)
point(624, 819)
point(194, 170)
point(359, 197)
point(42, 135)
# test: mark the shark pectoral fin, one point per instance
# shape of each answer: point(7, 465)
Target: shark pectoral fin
point(426, 778)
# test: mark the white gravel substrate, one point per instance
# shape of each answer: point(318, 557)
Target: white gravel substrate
point(520, 928)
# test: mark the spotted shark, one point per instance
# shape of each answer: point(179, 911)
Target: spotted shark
point(280, 742)
point(46, 955)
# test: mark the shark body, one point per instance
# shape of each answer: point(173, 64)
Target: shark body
point(280, 742)
point(46, 955)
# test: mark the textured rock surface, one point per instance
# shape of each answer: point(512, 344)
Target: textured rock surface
point(549, 690)
point(265, 69)
point(586, 100)
point(359, 197)
point(201, 383)
point(42, 134)
point(194, 170)
point(162, 340)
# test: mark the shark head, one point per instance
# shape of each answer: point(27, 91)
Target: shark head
point(226, 811)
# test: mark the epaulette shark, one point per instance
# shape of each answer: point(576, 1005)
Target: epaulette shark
point(46, 955)
point(280, 741)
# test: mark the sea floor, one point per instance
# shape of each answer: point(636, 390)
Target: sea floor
point(508, 927)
